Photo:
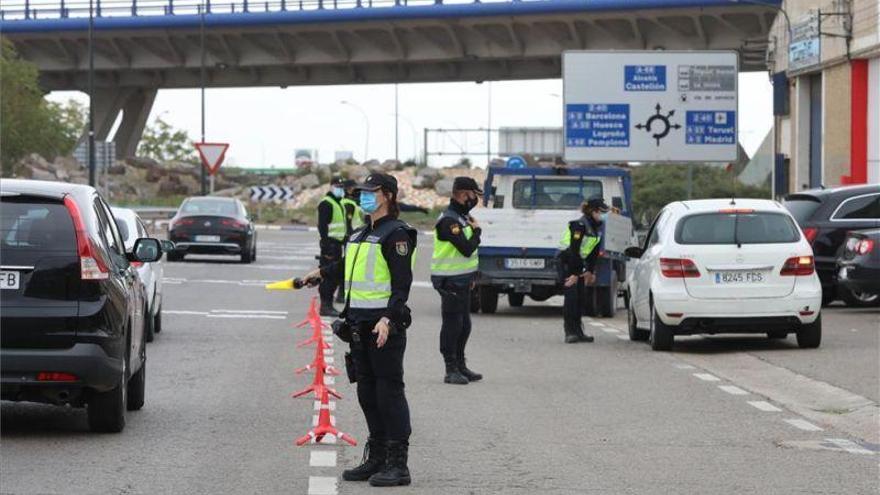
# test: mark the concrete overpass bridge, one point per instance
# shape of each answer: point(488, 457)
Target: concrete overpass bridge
point(145, 45)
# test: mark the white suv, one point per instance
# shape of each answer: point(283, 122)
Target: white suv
point(724, 266)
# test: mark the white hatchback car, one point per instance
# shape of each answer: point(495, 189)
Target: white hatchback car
point(724, 266)
point(131, 228)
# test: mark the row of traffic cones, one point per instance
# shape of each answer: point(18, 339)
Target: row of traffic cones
point(319, 388)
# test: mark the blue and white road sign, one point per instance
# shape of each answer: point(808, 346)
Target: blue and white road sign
point(650, 106)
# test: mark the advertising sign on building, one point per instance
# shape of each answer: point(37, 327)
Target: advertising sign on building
point(805, 47)
point(650, 106)
point(305, 157)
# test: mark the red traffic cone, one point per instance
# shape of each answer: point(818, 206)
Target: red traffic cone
point(317, 337)
point(318, 363)
point(317, 386)
point(325, 427)
point(312, 314)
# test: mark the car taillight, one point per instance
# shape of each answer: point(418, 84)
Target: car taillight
point(864, 246)
point(182, 222)
point(798, 266)
point(91, 267)
point(137, 264)
point(231, 222)
point(54, 376)
point(810, 233)
point(678, 268)
point(736, 210)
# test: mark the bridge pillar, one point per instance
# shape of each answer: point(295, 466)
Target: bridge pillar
point(134, 119)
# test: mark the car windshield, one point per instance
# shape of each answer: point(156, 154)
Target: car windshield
point(736, 228)
point(801, 208)
point(202, 206)
point(554, 194)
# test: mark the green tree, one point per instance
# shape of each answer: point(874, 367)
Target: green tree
point(29, 123)
point(163, 143)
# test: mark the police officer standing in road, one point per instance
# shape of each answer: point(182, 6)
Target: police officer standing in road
point(577, 256)
point(354, 216)
point(454, 268)
point(378, 277)
point(331, 229)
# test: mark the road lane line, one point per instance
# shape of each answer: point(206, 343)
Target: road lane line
point(264, 317)
point(322, 485)
point(622, 337)
point(707, 377)
point(803, 424)
point(850, 446)
point(183, 312)
point(328, 359)
point(596, 324)
point(733, 390)
point(610, 330)
point(249, 311)
point(685, 367)
point(322, 458)
point(763, 405)
point(329, 380)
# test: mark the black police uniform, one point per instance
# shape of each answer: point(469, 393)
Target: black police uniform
point(455, 300)
point(331, 252)
point(571, 263)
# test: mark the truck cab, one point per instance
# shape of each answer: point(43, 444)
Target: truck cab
point(526, 212)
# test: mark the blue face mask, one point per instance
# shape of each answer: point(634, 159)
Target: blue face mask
point(604, 216)
point(337, 192)
point(368, 201)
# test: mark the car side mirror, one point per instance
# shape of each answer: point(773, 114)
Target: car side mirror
point(633, 252)
point(146, 250)
point(167, 246)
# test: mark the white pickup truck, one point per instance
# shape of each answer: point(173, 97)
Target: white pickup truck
point(526, 212)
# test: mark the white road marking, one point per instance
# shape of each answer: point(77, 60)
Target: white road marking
point(289, 258)
point(329, 359)
point(264, 317)
point(249, 311)
point(322, 458)
point(329, 380)
point(315, 421)
point(853, 329)
point(763, 405)
point(596, 324)
point(733, 390)
point(322, 485)
point(803, 424)
point(331, 404)
point(610, 330)
point(183, 312)
point(706, 377)
point(230, 313)
point(623, 337)
point(850, 446)
point(685, 367)
point(423, 285)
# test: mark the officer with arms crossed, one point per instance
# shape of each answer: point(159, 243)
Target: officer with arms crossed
point(378, 277)
point(331, 229)
point(454, 268)
point(577, 256)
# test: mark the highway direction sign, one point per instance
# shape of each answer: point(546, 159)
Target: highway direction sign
point(271, 193)
point(650, 106)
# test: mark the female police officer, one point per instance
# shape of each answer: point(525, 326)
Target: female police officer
point(578, 253)
point(378, 276)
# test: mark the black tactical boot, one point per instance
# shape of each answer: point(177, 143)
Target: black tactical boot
point(375, 453)
point(571, 336)
point(472, 376)
point(579, 332)
point(327, 309)
point(453, 375)
point(395, 472)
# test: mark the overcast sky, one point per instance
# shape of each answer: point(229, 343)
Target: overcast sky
point(265, 125)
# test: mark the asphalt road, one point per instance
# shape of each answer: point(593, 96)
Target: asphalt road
point(607, 417)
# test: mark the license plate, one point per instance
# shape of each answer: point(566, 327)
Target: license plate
point(524, 263)
point(9, 280)
point(207, 238)
point(739, 277)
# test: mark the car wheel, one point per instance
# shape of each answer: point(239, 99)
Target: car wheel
point(606, 298)
point(488, 299)
point(475, 300)
point(137, 385)
point(636, 334)
point(516, 300)
point(246, 256)
point(777, 334)
point(827, 296)
point(254, 252)
point(106, 410)
point(661, 335)
point(172, 256)
point(157, 321)
point(149, 328)
point(858, 299)
point(809, 336)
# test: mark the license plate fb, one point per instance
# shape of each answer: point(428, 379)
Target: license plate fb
point(9, 279)
point(722, 278)
point(207, 238)
point(524, 263)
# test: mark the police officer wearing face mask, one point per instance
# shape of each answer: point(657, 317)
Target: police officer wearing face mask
point(378, 278)
point(453, 271)
point(577, 256)
point(354, 215)
point(332, 230)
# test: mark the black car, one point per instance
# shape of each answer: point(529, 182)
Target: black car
point(859, 265)
point(212, 225)
point(72, 321)
point(825, 216)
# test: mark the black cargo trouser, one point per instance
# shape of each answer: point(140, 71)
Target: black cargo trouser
point(455, 310)
point(331, 252)
point(572, 308)
point(380, 386)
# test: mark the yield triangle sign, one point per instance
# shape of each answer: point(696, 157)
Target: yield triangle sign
point(212, 155)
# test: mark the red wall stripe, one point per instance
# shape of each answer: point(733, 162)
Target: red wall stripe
point(858, 164)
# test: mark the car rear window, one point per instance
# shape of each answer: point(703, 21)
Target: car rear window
point(209, 207)
point(557, 194)
point(33, 224)
point(802, 209)
point(736, 228)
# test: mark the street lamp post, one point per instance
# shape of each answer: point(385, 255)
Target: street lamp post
point(202, 85)
point(366, 123)
point(396, 126)
point(91, 143)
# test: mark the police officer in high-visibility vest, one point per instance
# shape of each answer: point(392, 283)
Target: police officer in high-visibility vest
point(354, 215)
point(577, 256)
point(331, 229)
point(454, 268)
point(378, 277)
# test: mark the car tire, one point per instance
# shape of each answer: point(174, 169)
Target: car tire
point(106, 410)
point(606, 298)
point(157, 321)
point(777, 334)
point(858, 299)
point(172, 256)
point(137, 386)
point(828, 297)
point(149, 328)
point(488, 299)
point(516, 300)
point(475, 300)
point(636, 334)
point(809, 336)
point(246, 256)
point(660, 336)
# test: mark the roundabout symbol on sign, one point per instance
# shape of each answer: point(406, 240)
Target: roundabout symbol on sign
point(664, 124)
